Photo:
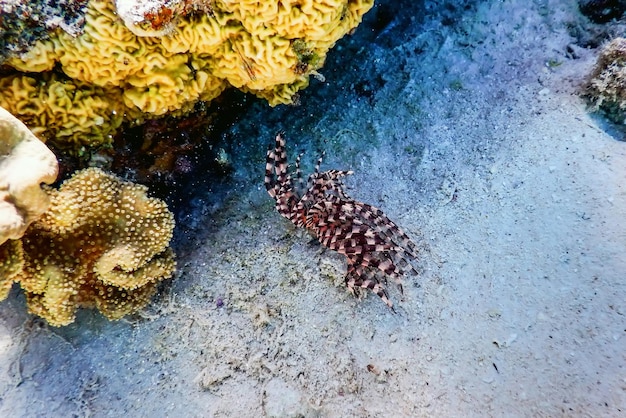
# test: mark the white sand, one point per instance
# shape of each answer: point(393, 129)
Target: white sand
point(489, 159)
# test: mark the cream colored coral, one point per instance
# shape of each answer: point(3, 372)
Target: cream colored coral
point(11, 264)
point(103, 243)
point(25, 163)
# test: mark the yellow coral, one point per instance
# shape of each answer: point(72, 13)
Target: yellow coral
point(57, 108)
point(255, 46)
point(102, 243)
point(606, 87)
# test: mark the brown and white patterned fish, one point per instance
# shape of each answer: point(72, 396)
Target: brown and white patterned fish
point(373, 244)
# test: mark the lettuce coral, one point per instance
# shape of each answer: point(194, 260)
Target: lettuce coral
point(56, 108)
point(109, 74)
point(103, 243)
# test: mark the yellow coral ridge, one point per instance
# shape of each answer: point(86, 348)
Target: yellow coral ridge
point(11, 264)
point(103, 243)
point(25, 163)
point(251, 45)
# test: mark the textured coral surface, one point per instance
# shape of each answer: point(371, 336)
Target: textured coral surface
point(486, 156)
point(606, 88)
point(11, 263)
point(25, 163)
point(373, 244)
point(79, 89)
point(102, 243)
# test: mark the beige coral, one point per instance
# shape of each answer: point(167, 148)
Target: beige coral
point(25, 163)
point(103, 243)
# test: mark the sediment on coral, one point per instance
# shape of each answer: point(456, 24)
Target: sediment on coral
point(11, 264)
point(606, 88)
point(25, 163)
point(25, 22)
point(77, 90)
point(103, 243)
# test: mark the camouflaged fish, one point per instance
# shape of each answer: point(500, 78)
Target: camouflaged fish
point(373, 244)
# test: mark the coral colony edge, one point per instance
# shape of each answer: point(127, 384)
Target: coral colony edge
point(375, 247)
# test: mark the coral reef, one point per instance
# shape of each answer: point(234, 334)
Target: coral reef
point(103, 243)
point(602, 11)
point(25, 163)
point(606, 88)
point(373, 244)
point(168, 152)
point(108, 74)
point(24, 22)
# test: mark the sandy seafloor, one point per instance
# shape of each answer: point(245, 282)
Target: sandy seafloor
point(462, 121)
